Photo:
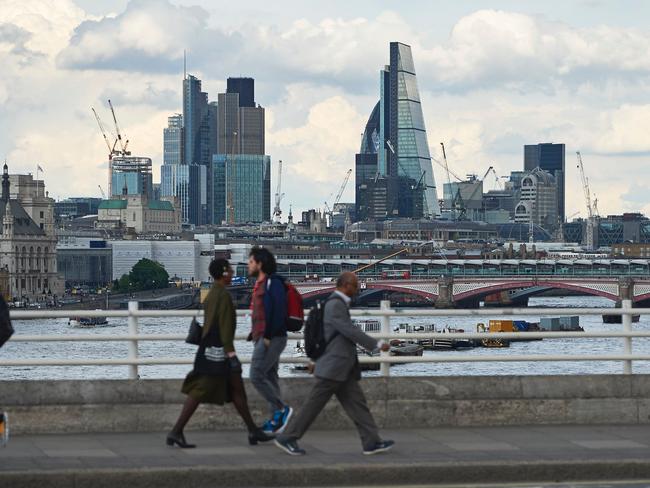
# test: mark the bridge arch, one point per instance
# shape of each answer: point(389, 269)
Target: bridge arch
point(464, 291)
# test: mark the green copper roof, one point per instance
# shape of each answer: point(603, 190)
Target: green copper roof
point(160, 205)
point(112, 204)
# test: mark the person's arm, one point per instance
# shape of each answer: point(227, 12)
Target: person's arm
point(225, 314)
point(338, 317)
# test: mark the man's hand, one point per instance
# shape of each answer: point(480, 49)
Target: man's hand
point(267, 342)
point(385, 347)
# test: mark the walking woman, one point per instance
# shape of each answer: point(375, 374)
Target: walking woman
point(216, 377)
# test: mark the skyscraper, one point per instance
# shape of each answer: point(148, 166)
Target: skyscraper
point(241, 171)
point(199, 131)
point(549, 157)
point(245, 88)
point(396, 134)
point(174, 174)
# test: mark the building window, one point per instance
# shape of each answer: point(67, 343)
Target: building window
point(42, 214)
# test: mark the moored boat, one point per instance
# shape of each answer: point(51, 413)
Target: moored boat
point(87, 322)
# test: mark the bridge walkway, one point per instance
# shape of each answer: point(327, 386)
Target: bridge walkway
point(422, 456)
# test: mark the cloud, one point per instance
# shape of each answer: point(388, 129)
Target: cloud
point(499, 80)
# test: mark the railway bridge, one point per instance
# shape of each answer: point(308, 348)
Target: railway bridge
point(450, 291)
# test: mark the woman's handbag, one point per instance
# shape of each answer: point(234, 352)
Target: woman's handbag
point(195, 333)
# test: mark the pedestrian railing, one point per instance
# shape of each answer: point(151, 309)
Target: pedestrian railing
point(384, 313)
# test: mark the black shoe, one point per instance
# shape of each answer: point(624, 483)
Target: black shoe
point(382, 446)
point(290, 446)
point(179, 440)
point(258, 435)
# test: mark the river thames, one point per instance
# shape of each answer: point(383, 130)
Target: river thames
point(23, 350)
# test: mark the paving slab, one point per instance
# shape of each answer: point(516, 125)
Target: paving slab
point(445, 455)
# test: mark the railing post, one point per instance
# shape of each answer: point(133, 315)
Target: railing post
point(133, 343)
point(627, 341)
point(384, 305)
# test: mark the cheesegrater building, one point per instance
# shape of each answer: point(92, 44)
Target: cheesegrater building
point(395, 141)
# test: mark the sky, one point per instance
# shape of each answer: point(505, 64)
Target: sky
point(493, 76)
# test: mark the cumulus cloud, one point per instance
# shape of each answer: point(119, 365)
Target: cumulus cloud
point(499, 80)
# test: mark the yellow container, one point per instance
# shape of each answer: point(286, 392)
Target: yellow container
point(502, 326)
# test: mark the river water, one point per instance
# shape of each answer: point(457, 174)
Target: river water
point(22, 350)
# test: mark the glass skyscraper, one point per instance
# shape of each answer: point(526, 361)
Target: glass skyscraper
point(242, 184)
point(200, 132)
point(396, 134)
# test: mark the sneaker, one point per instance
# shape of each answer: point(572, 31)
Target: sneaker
point(290, 446)
point(269, 427)
point(382, 446)
point(281, 419)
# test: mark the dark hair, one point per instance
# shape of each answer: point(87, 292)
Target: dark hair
point(265, 258)
point(218, 267)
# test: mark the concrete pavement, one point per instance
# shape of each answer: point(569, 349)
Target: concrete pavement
point(510, 454)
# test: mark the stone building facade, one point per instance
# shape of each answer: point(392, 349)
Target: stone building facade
point(28, 240)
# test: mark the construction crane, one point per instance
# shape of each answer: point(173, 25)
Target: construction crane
point(123, 144)
point(329, 211)
point(102, 191)
point(589, 241)
point(277, 211)
point(457, 203)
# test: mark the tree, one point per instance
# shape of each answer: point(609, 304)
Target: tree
point(145, 275)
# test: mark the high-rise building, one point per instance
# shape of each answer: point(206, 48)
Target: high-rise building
point(243, 184)
point(538, 200)
point(174, 174)
point(131, 175)
point(199, 130)
point(240, 171)
point(397, 135)
point(245, 87)
point(549, 157)
point(240, 128)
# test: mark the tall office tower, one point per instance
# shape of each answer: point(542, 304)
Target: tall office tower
point(400, 143)
point(198, 132)
point(174, 175)
point(549, 157)
point(131, 175)
point(241, 170)
point(365, 166)
point(245, 87)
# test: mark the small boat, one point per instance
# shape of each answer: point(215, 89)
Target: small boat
point(618, 319)
point(407, 350)
point(87, 322)
point(495, 343)
point(368, 325)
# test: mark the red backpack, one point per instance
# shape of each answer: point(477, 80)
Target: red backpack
point(295, 309)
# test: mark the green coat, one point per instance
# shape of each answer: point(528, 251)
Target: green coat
point(219, 311)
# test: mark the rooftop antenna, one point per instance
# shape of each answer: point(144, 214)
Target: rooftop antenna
point(184, 65)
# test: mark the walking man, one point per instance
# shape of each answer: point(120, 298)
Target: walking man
point(338, 373)
point(269, 333)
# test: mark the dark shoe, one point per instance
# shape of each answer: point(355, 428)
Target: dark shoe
point(382, 446)
point(258, 436)
point(290, 446)
point(179, 440)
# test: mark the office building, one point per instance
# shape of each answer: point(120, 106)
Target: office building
point(396, 134)
point(538, 200)
point(549, 157)
point(173, 140)
point(241, 172)
point(132, 173)
point(242, 185)
point(200, 131)
point(75, 207)
point(84, 260)
point(463, 200)
point(245, 88)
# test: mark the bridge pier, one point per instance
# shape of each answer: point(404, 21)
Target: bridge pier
point(445, 293)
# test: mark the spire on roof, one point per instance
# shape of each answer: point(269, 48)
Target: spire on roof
point(5, 183)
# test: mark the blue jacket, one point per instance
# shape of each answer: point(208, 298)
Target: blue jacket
point(275, 307)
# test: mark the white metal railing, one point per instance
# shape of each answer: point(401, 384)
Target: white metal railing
point(384, 313)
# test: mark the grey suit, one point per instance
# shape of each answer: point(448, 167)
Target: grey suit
point(337, 373)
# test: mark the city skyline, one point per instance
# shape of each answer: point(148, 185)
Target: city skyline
point(549, 76)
